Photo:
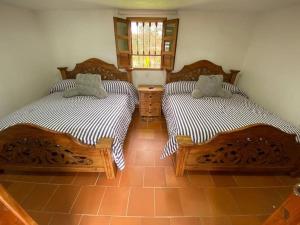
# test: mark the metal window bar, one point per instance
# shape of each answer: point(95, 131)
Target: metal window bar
point(140, 35)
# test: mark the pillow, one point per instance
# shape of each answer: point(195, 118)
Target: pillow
point(234, 89)
point(87, 85)
point(179, 87)
point(63, 85)
point(182, 87)
point(210, 86)
point(121, 87)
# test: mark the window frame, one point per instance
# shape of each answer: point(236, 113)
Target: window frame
point(148, 19)
point(167, 54)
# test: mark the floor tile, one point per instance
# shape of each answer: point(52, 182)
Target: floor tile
point(88, 200)
point(6, 184)
point(288, 180)
point(20, 190)
point(115, 201)
point(126, 221)
point(162, 162)
point(95, 220)
point(155, 221)
point(65, 219)
point(167, 202)
point(215, 221)
point(145, 158)
point(185, 221)
point(103, 181)
point(154, 177)
point(35, 177)
point(85, 179)
point(174, 181)
point(63, 178)
point(221, 202)
point(247, 220)
point(40, 195)
point(194, 202)
point(256, 200)
point(132, 176)
point(41, 218)
point(257, 181)
point(223, 180)
point(284, 192)
point(200, 179)
point(141, 202)
point(63, 199)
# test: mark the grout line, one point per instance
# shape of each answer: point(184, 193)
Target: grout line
point(28, 194)
point(110, 221)
point(77, 196)
point(81, 217)
point(95, 183)
point(51, 220)
point(100, 204)
point(154, 196)
point(51, 196)
point(128, 201)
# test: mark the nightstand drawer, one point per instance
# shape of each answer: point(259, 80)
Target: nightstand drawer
point(150, 111)
point(150, 104)
point(150, 97)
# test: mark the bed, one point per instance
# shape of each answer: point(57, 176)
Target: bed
point(218, 134)
point(78, 134)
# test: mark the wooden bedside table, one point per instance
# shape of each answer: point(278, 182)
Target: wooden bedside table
point(150, 100)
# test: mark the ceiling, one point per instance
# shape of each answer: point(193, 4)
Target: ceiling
point(233, 5)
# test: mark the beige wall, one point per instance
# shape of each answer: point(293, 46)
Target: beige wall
point(271, 71)
point(76, 35)
point(24, 59)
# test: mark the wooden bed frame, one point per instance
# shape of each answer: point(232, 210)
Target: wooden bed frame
point(255, 148)
point(28, 147)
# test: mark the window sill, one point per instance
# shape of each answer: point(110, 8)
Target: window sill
point(154, 69)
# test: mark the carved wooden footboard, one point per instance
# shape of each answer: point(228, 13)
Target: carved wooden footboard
point(29, 147)
point(255, 148)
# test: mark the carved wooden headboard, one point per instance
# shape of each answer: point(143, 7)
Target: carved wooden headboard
point(203, 67)
point(96, 66)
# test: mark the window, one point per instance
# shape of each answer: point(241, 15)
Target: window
point(146, 43)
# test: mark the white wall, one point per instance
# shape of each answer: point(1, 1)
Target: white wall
point(271, 72)
point(24, 59)
point(221, 37)
point(76, 35)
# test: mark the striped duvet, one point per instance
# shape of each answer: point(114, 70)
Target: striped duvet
point(86, 118)
point(203, 118)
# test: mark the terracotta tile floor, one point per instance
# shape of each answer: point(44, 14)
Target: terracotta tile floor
point(147, 192)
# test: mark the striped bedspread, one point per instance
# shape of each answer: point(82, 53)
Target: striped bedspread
point(203, 118)
point(85, 118)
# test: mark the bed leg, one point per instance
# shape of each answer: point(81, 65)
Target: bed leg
point(184, 143)
point(105, 147)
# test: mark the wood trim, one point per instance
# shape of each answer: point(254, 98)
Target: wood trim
point(202, 67)
point(255, 148)
point(11, 212)
point(287, 214)
point(96, 66)
point(147, 19)
point(29, 147)
point(105, 146)
point(123, 56)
